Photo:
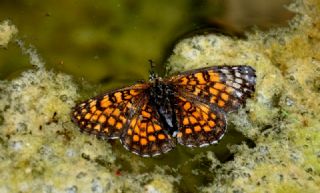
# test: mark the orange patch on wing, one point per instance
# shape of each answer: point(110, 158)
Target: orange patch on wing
point(207, 128)
point(98, 112)
point(193, 120)
point(213, 116)
point(127, 97)
point(205, 116)
point(119, 125)
point(102, 119)
point(133, 122)
point(93, 103)
point(214, 77)
point(105, 103)
point(188, 131)
point(143, 134)
point(157, 127)
point(187, 106)
point(116, 112)
point(111, 121)
point(196, 114)
point(200, 78)
point(185, 121)
point(143, 126)
point(123, 119)
point(134, 92)
point(196, 91)
point(202, 122)
point(211, 123)
point(221, 103)
point(136, 129)
point(93, 109)
point(151, 138)
point(150, 129)
point(108, 111)
point(161, 136)
point(146, 114)
point(197, 128)
point(184, 81)
point(225, 96)
point(192, 82)
point(87, 116)
point(135, 138)
point(118, 96)
point(143, 141)
point(94, 118)
point(213, 91)
point(219, 86)
point(213, 99)
point(97, 127)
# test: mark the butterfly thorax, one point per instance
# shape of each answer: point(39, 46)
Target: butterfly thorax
point(162, 100)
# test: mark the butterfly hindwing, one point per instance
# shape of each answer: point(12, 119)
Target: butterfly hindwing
point(199, 124)
point(107, 115)
point(146, 135)
point(227, 87)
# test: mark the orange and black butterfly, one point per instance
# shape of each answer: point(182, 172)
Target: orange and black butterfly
point(151, 118)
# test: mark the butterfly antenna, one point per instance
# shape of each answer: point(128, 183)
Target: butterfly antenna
point(152, 74)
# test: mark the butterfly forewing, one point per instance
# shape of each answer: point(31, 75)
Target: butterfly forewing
point(225, 86)
point(107, 115)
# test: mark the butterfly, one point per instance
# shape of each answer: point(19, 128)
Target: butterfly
point(151, 118)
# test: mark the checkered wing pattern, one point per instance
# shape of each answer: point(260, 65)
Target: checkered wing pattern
point(204, 96)
point(146, 135)
point(200, 99)
point(107, 115)
point(199, 124)
point(227, 87)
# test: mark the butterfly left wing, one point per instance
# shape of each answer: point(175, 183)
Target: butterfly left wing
point(146, 135)
point(199, 124)
point(107, 115)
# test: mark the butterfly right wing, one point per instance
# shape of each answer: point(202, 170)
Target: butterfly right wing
point(226, 87)
point(106, 116)
point(200, 124)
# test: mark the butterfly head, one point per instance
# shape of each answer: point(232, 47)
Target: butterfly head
point(152, 75)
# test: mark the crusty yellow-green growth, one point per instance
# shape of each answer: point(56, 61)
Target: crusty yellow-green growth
point(42, 151)
point(7, 31)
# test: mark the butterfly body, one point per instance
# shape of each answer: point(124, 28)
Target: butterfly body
point(151, 118)
point(162, 99)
